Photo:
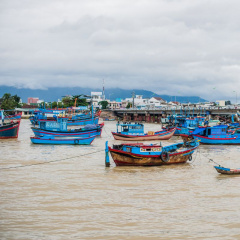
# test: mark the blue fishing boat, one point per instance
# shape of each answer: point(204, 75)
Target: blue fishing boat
point(73, 120)
point(10, 129)
point(56, 140)
point(216, 135)
point(187, 125)
point(45, 114)
point(59, 128)
point(138, 154)
point(135, 132)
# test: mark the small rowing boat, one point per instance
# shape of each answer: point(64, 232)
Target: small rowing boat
point(229, 171)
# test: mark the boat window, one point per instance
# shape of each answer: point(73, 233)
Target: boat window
point(128, 149)
point(224, 130)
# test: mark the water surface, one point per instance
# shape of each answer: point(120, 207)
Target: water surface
point(76, 197)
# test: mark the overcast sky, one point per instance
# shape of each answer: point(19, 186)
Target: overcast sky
point(175, 47)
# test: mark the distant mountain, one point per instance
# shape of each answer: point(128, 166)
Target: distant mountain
point(53, 94)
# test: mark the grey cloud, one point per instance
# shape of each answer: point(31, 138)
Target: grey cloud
point(171, 47)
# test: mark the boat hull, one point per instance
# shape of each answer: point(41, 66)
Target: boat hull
point(77, 133)
point(9, 130)
point(225, 141)
point(63, 140)
point(164, 135)
point(227, 171)
point(127, 159)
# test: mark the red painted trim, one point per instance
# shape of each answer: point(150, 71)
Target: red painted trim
point(8, 137)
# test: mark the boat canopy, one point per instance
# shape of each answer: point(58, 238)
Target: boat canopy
point(59, 125)
point(136, 128)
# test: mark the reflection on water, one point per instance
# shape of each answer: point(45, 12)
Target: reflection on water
point(78, 198)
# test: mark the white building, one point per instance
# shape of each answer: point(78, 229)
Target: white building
point(96, 98)
point(139, 101)
point(220, 103)
point(157, 102)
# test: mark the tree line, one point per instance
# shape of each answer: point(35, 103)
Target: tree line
point(9, 102)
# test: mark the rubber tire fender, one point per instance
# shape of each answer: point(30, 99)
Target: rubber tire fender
point(76, 141)
point(166, 158)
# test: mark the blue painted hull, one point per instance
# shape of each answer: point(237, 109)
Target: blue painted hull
point(9, 130)
point(77, 133)
point(226, 140)
point(63, 140)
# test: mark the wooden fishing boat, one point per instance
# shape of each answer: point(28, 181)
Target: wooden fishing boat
point(138, 154)
point(9, 130)
point(216, 135)
point(87, 130)
point(135, 132)
point(59, 128)
point(228, 171)
point(56, 140)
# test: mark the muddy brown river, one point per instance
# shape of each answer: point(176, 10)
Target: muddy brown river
point(74, 196)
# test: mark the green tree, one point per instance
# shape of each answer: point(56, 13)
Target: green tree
point(129, 105)
point(104, 104)
point(54, 104)
point(67, 102)
point(10, 102)
point(81, 101)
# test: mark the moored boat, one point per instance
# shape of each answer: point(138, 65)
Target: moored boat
point(216, 135)
point(228, 171)
point(59, 128)
point(8, 130)
point(138, 154)
point(135, 132)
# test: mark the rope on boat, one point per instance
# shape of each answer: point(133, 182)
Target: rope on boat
point(210, 160)
point(52, 161)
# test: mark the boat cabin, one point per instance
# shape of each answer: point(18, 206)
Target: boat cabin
point(215, 131)
point(130, 128)
point(59, 125)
